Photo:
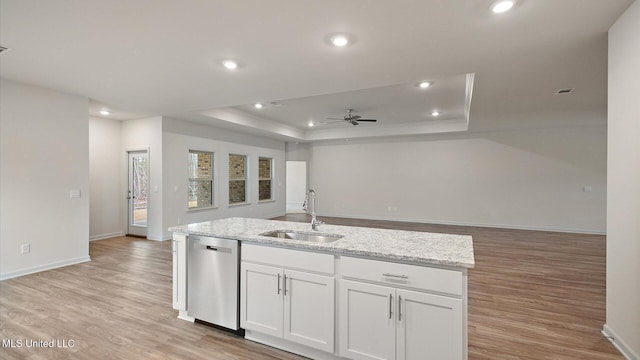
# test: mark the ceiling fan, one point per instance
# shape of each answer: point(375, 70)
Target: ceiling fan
point(350, 118)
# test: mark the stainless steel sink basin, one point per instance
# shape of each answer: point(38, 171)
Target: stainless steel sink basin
point(304, 236)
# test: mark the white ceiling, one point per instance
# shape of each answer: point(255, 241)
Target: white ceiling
point(162, 57)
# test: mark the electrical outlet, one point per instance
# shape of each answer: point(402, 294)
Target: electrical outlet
point(25, 249)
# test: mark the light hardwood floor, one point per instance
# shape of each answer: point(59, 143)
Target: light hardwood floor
point(532, 295)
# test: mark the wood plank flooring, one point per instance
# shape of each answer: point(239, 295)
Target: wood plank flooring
point(532, 295)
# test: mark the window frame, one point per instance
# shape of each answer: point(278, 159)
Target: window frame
point(211, 179)
point(245, 179)
point(270, 178)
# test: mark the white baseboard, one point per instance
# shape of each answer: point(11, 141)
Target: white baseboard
point(39, 268)
point(290, 346)
point(182, 315)
point(458, 223)
point(106, 236)
point(159, 238)
point(620, 344)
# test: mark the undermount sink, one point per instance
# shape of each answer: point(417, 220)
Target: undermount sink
point(304, 236)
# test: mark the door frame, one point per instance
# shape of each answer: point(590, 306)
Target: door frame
point(127, 215)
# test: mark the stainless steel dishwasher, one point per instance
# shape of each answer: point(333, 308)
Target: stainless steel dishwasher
point(212, 281)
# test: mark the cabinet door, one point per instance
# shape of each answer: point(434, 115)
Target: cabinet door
point(179, 252)
point(261, 298)
point(429, 326)
point(309, 305)
point(367, 321)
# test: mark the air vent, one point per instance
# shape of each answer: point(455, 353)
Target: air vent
point(3, 49)
point(564, 91)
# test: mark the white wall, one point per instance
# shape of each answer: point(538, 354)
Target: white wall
point(298, 151)
point(105, 162)
point(623, 193)
point(44, 153)
point(531, 179)
point(181, 136)
point(140, 135)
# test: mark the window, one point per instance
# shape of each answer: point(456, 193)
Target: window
point(237, 179)
point(264, 178)
point(200, 179)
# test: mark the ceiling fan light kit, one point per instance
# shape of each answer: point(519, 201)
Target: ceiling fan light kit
point(352, 119)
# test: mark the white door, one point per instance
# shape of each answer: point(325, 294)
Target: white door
point(309, 305)
point(137, 193)
point(296, 188)
point(429, 326)
point(261, 303)
point(367, 321)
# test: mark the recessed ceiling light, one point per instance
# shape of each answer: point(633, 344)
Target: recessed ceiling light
point(502, 6)
point(257, 106)
point(435, 113)
point(311, 124)
point(230, 64)
point(104, 112)
point(425, 84)
point(339, 40)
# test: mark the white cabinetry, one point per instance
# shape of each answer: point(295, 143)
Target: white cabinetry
point(179, 251)
point(284, 294)
point(381, 319)
point(429, 326)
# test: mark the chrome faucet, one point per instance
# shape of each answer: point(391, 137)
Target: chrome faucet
point(311, 197)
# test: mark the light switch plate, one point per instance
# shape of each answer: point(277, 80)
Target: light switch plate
point(74, 193)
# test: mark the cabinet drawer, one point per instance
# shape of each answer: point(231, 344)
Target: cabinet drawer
point(288, 258)
point(419, 277)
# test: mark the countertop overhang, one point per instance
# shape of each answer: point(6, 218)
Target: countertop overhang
point(420, 248)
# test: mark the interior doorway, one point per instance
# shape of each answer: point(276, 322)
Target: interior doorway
point(137, 192)
point(296, 180)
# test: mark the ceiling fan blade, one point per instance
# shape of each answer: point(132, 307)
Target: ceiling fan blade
point(353, 122)
point(335, 119)
point(369, 120)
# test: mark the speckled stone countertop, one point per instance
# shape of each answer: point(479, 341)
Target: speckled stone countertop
point(421, 248)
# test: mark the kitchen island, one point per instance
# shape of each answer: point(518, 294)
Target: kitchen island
point(373, 293)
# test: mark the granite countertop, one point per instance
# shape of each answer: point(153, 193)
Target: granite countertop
point(421, 248)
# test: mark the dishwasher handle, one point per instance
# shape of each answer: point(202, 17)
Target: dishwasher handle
point(196, 244)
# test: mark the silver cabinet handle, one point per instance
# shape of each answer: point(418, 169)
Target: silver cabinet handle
point(399, 308)
point(279, 283)
point(400, 276)
point(285, 284)
point(390, 305)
